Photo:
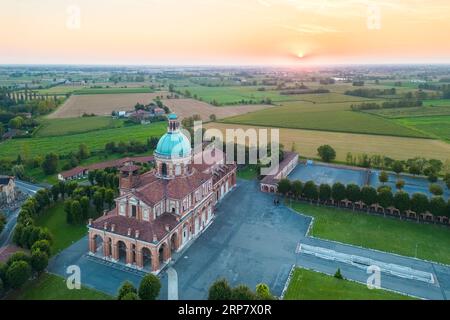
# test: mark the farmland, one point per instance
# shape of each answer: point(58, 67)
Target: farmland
point(187, 107)
point(95, 140)
point(307, 142)
point(101, 104)
point(393, 113)
point(68, 126)
point(327, 117)
point(436, 126)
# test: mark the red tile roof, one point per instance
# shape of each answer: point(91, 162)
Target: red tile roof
point(146, 229)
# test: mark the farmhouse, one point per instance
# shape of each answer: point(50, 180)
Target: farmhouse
point(81, 172)
point(7, 190)
point(159, 212)
point(270, 182)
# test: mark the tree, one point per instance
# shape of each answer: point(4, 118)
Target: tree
point(84, 202)
point(284, 186)
point(402, 201)
point(368, 196)
point(263, 292)
point(297, 188)
point(220, 290)
point(324, 192)
point(310, 191)
point(39, 260)
point(338, 274)
point(212, 117)
point(18, 256)
point(18, 170)
point(447, 180)
point(149, 287)
point(400, 184)
point(436, 189)
point(242, 292)
point(16, 122)
point(397, 167)
point(130, 296)
point(18, 273)
point(109, 198)
point(68, 211)
point(98, 201)
point(383, 177)
point(438, 207)
point(385, 198)
point(126, 288)
point(50, 164)
point(419, 203)
point(338, 192)
point(83, 151)
point(326, 153)
point(42, 245)
point(76, 212)
point(55, 192)
point(353, 192)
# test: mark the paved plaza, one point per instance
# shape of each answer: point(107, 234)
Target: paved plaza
point(251, 241)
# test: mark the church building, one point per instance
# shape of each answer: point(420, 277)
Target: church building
point(159, 212)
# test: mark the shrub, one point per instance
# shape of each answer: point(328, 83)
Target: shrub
point(127, 288)
point(242, 292)
point(338, 274)
point(220, 290)
point(18, 273)
point(39, 260)
point(326, 153)
point(149, 287)
point(42, 245)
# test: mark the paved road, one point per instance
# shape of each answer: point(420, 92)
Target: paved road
point(252, 241)
point(6, 235)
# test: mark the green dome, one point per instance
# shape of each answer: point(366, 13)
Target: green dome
point(173, 144)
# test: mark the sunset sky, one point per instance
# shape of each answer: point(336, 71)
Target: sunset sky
point(238, 32)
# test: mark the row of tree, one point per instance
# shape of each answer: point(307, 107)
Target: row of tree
point(324, 193)
point(21, 266)
point(221, 290)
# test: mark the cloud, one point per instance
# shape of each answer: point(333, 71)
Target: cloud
point(310, 28)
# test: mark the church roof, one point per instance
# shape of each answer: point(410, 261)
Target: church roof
point(174, 145)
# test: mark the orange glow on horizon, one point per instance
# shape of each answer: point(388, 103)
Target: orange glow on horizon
point(278, 32)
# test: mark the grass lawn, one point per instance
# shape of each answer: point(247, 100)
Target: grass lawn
point(64, 234)
point(328, 117)
point(68, 126)
point(52, 287)
point(377, 232)
point(311, 285)
point(95, 140)
point(248, 173)
point(436, 126)
point(437, 103)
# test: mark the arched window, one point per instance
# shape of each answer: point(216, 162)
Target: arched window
point(164, 169)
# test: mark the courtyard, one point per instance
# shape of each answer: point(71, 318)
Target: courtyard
point(251, 241)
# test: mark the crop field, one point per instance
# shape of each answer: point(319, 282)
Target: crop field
point(307, 141)
point(437, 126)
point(437, 103)
point(187, 107)
point(327, 117)
point(60, 127)
point(95, 140)
point(101, 104)
point(411, 112)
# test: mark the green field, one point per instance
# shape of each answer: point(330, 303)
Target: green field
point(112, 90)
point(69, 126)
point(249, 172)
point(326, 117)
point(436, 126)
point(95, 140)
point(395, 113)
point(52, 287)
point(64, 234)
point(437, 103)
point(424, 241)
point(310, 285)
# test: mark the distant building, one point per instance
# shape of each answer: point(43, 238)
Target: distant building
point(7, 190)
point(81, 172)
point(270, 182)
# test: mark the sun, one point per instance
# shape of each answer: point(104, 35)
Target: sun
point(300, 55)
